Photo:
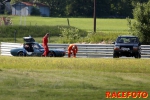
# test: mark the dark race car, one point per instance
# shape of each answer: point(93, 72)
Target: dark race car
point(128, 46)
point(32, 48)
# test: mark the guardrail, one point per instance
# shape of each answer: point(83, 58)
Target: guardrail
point(84, 50)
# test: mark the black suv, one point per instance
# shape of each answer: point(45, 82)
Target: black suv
point(128, 46)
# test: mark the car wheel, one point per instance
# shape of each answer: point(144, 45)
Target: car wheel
point(115, 55)
point(138, 55)
point(21, 54)
point(51, 54)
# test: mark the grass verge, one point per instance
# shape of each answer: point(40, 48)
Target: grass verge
point(29, 78)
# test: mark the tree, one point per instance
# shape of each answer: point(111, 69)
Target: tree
point(121, 8)
point(57, 7)
point(2, 7)
point(35, 11)
point(84, 8)
point(141, 26)
point(134, 2)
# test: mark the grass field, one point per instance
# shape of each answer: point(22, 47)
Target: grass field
point(104, 25)
point(107, 29)
point(37, 39)
point(30, 78)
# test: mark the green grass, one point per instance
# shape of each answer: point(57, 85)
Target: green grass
point(37, 39)
point(107, 29)
point(104, 25)
point(29, 78)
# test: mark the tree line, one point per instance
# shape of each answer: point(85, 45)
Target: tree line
point(137, 9)
point(84, 8)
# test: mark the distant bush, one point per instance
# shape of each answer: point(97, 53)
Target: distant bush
point(64, 33)
point(71, 34)
point(35, 31)
point(21, 31)
point(100, 37)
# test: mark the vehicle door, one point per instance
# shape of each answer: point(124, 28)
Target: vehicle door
point(37, 51)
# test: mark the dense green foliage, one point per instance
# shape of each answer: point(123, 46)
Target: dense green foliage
point(21, 31)
point(112, 8)
point(82, 8)
point(141, 26)
point(70, 34)
point(102, 37)
point(35, 11)
point(35, 31)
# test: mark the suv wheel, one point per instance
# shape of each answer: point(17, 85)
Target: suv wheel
point(115, 55)
point(138, 55)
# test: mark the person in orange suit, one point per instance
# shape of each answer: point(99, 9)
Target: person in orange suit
point(72, 48)
point(45, 41)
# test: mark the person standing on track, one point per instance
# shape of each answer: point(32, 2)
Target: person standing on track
point(72, 48)
point(45, 42)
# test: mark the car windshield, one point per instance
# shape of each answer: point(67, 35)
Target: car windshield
point(37, 46)
point(40, 46)
point(127, 40)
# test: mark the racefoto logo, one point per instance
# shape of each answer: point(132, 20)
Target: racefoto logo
point(123, 94)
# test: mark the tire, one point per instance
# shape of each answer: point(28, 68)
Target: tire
point(115, 55)
point(21, 54)
point(51, 54)
point(138, 55)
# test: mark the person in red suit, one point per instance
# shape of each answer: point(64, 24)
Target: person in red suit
point(45, 41)
point(72, 48)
